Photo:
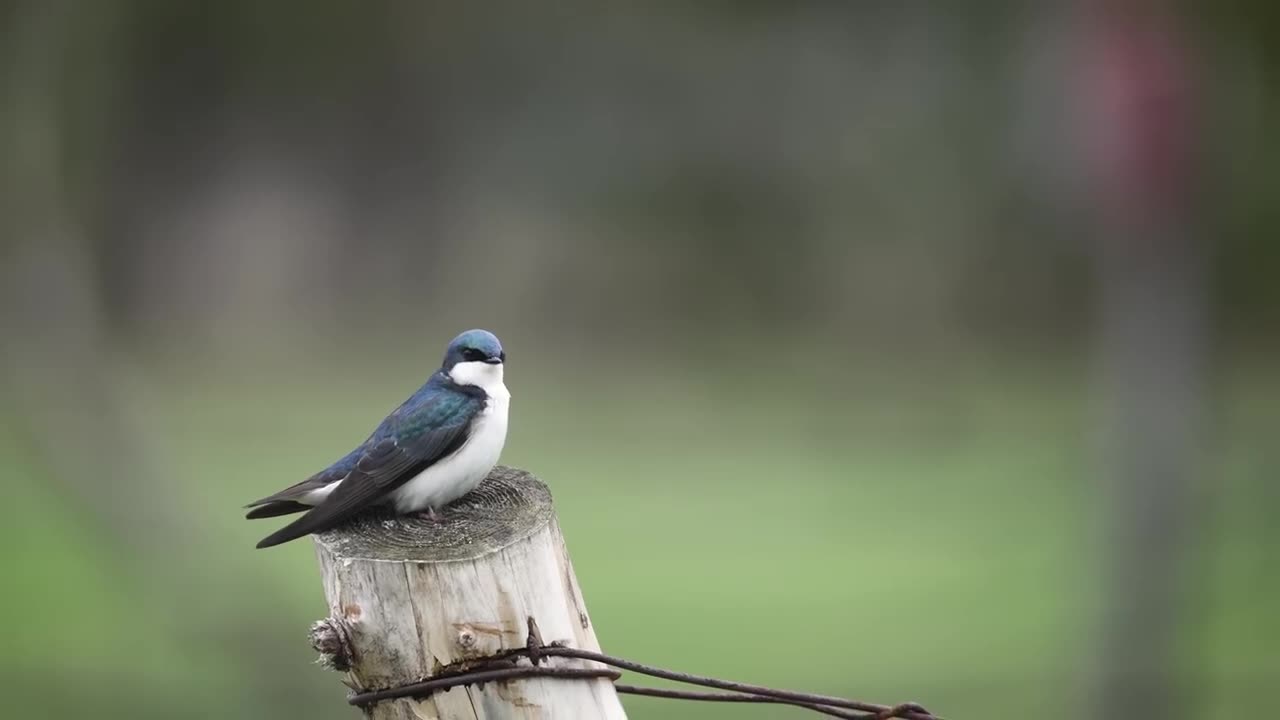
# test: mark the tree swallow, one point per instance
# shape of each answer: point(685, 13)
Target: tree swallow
point(428, 452)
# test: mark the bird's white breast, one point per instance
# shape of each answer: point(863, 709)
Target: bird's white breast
point(456, 475)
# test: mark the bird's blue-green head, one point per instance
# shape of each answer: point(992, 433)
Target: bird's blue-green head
point(474, 358)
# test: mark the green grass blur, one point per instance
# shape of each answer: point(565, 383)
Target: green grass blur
point(887, 535)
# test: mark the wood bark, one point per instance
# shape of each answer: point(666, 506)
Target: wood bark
point(417, 595)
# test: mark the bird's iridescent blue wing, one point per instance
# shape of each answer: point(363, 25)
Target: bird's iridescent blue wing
point(426, 428)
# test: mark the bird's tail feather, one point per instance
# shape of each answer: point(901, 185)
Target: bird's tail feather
point(312, 522)
point(292, 531)
point(275, 509)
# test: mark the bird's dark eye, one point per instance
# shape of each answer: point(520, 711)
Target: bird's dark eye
point(472, 354)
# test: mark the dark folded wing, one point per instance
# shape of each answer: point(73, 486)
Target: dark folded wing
point(319, 481)
point(414, 438)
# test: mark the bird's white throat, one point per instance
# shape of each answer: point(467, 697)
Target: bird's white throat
point(482, 375)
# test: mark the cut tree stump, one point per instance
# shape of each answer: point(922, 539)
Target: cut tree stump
point(410, 597)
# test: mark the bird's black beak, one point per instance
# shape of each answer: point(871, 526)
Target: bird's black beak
point(493, 361)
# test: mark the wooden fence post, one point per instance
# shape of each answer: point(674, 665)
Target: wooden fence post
point(413, 596)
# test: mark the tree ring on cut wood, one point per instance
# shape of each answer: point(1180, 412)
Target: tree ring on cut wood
point(507, 507)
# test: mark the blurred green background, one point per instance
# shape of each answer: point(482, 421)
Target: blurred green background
point(890, 350)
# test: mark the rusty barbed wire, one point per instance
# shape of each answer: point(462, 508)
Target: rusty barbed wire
point(503, 666)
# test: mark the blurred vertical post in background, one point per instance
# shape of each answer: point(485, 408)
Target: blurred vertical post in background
point(69, 398)
point(1142, 142)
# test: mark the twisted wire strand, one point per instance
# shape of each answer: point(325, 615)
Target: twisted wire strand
point(502, 666)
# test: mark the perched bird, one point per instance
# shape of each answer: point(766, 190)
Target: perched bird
point(431, 450)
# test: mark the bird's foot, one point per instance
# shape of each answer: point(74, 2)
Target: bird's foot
point(430, 514)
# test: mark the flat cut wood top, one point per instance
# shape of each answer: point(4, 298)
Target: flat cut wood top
point(507, 507)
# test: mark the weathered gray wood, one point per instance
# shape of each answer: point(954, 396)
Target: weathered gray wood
point(419, 594)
